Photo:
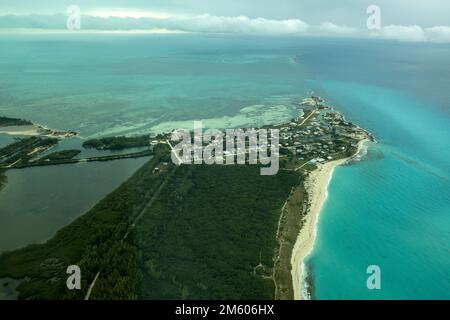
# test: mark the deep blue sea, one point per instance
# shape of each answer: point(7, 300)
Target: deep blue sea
point(392, 209)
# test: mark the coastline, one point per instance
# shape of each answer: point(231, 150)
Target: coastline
point(316, 186)
point(36, 130)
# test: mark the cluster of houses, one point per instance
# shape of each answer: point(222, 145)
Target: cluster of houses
point(322, 136)
point(319, 135)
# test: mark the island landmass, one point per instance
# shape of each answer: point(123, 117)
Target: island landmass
point(15, 126)
point(192, 231)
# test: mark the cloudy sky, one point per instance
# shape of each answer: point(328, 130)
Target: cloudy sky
point(406, 20)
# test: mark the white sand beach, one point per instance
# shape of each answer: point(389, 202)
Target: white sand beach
point(317, 187)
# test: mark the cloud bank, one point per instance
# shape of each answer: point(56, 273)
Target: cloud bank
point(205, 23)
point(331, 28)
point(243, 25)
point(438, 34)
point(239, 25)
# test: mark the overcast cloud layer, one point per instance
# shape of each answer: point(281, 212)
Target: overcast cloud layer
point(425, 13)
point(413, 21)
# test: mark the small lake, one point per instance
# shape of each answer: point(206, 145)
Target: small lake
point(37, 202)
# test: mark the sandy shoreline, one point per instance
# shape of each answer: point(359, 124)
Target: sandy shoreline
point(317, 187)
point(35, 130)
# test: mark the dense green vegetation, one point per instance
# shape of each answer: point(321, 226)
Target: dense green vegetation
point(200, 232)
point(21, 152)
point(17, 146)
point(207, 232)
point(118, 143)
point(6, 121)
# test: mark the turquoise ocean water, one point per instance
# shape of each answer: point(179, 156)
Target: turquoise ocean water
point(392, 209)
